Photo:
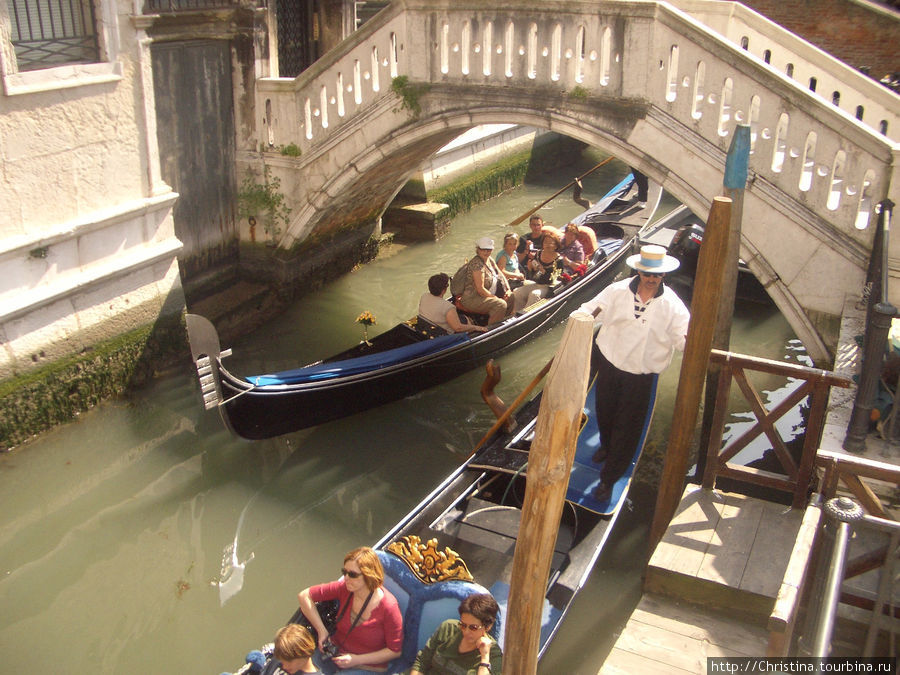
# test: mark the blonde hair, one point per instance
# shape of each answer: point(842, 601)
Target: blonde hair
point(369, 565)
point(294, 642)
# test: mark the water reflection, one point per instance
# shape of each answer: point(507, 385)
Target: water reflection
point(144, 536)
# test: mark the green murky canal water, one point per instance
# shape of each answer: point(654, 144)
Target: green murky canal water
point(142, 537)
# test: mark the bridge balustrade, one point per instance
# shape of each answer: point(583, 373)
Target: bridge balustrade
point(835, 82)
point(697, 84)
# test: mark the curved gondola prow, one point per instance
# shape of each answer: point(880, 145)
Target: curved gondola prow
point(207, 355)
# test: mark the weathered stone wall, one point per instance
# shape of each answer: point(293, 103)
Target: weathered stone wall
point(58, 391)
point(87, 244)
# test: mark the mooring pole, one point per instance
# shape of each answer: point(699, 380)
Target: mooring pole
point(549, 463)
point(704, 308)
point(879, 315)
point(736, 168)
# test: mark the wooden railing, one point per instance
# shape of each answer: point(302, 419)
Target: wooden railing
point(816, 384)
point(840, 473)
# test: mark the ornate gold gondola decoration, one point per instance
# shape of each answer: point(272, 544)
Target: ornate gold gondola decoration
point(427, 562)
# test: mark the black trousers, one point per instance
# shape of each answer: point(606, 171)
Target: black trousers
point(622, 401)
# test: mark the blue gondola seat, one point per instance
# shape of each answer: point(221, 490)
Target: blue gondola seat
point(424, 606)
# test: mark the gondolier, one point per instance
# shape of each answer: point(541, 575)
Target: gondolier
point(643, 323)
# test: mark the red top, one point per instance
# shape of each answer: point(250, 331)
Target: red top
point(383, 628)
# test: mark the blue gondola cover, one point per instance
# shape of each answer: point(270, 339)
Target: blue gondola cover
point(360, 364)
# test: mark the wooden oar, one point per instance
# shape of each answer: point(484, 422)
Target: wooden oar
point(515, 404)
point(557, 193)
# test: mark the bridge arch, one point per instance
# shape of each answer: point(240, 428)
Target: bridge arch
point(387, 163)
point(645, 82)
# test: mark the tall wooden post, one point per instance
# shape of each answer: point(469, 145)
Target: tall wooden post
point(704, 309)
point(549, 463)
point(736, 168)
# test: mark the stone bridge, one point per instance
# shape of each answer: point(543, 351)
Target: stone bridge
point(661, 88)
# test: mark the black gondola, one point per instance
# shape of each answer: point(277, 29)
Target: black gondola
point(682, 233)
point(461, 538)
point(381, 370)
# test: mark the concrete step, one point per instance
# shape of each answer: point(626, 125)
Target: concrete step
point(238, 309)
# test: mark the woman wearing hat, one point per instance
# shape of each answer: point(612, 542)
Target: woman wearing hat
point(644, 322)
point(486, 290)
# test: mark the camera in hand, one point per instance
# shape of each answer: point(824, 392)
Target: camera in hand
point(329, 649)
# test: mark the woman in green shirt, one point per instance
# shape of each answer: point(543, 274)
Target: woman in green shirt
point(463, 647)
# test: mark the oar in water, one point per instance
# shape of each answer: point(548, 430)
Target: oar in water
point(515, 404)
point(558, 193)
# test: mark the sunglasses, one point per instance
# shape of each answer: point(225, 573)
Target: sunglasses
point(470, 626)
point(349, 574)
point(649, 274)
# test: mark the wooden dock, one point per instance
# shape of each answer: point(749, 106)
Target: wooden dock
point(710, 585)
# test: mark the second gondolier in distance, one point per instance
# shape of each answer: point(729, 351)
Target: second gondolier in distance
point(643, 323)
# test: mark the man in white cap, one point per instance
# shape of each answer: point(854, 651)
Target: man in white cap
point(644, 322)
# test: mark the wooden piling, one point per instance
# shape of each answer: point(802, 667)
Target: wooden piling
point(549, 463)
point(704, 310)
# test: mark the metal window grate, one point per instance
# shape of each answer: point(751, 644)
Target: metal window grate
point(47, 33)
point(156, 6)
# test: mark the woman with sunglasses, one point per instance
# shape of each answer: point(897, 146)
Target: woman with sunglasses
point(463, 646)
point(369, 630)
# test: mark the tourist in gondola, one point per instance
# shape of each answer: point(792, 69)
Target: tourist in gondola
point(547, 264)
point(435, 309)
point(508, 261)
point(369, 629)
point(294, 647)
point(572, 252)
point(486, 290)
point(530, 244)
point(644, 322)
point(463, 646)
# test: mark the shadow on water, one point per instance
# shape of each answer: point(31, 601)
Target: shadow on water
point(144, 536)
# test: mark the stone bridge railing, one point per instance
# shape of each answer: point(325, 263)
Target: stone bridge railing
point(813, 166)
point(802, 146)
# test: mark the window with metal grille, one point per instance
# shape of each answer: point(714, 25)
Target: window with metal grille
point(366, 9)
point(48, 33)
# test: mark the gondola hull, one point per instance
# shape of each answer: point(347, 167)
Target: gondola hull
point(471, 520)
point(269, 406)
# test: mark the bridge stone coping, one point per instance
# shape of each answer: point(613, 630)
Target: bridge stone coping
point(643, 80)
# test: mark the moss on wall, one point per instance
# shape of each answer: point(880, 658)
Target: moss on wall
point(56, 393)
point(461, 195)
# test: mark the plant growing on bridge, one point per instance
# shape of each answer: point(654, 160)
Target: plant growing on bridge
point(579, 93)
point(263, 201)
point(409, 93)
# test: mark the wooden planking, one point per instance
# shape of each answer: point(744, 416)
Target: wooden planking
point(778, 530)
point(728, 539)
point(690, 533)
point(664, 636)
point(726, 558)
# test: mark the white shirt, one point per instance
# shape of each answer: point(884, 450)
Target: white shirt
point(435, 310)
point(639, 345)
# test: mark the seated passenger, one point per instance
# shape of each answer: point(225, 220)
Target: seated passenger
point(531, 243)
point(463, 646)
point(486, 290)
point(572, 252)
point(547, 264)
point(369, 629)
point(294, 646)
point(508, 260)
point(440, 312)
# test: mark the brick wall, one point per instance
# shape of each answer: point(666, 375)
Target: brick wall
point(850, 31)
